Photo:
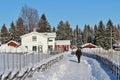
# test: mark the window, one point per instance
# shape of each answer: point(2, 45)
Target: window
point(40, 48)
point(34, 48)
point(50, 47)
point(34, 38)
point(50, 40)
point(26, 47)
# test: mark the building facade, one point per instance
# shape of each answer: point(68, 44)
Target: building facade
point(63, 45)
point(39, 42)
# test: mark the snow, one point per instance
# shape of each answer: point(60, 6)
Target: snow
point(4, 48)
point(69, 69)
point(114, 57)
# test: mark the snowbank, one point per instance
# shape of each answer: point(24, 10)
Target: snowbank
point(9, 49)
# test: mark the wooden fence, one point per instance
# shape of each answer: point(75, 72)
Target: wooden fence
point(108, 58)
point(29, 71)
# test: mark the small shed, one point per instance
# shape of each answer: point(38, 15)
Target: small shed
point(63, 45)
point(88, 45)
point(13, 43)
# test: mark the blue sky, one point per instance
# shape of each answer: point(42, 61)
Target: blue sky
point(79, 12)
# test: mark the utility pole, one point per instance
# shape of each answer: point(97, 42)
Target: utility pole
point(111, 37)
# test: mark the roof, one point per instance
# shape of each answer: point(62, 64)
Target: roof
point(62, 42)
point(88, 45)
point(47, 35)
point(36, 33)
point(13, 43)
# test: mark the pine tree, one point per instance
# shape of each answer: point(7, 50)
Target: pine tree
point(88, 34)
point(118, 32)
point(85, 34)
point(68, 31)
point(78, 36)
point(74, 38)
point(43, 24)
point(4, 34)
point(110, 34)
point(100, 36)
point(21, 29)
point(95, 34)
point(64, 31)
point(12, 31)
point(60, 31)
point(54, 30)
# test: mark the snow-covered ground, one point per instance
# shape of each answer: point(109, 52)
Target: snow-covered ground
point(69, 69)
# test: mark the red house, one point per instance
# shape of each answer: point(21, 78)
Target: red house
point(89, 45)
point(63, 45)
point(13, 43)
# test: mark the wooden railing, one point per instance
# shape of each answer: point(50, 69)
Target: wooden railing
point(106, 60)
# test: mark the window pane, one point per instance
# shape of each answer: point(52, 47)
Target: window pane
point(34, 48)
point(50, 47)
point(34, 38)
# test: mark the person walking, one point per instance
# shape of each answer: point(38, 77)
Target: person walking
point(78, 54)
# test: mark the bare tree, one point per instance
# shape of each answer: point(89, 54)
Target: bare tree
point(30, 17)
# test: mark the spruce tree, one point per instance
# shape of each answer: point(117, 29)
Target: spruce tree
point(110, 34)
point(4, 34)
point(68, 31)
point(100, 37)
point(85, 34)
point(54, 29)
point(78, 36)
point(43, 24)
point(12, 31)
point(64, 31)
point(20, 29)
point(95, 34)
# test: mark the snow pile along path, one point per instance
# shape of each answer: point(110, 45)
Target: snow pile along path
point(70, 69)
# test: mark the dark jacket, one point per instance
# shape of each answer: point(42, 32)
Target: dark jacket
point(78, 52)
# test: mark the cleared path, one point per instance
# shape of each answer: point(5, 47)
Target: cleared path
point(69, 69)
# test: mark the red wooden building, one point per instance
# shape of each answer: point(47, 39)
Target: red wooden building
point(63, 45)
point(13, 43)
point(89, 45)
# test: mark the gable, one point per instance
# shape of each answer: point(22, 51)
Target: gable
point(13, 43)
point(33, 33)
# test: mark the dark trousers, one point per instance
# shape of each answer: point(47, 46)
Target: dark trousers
point(78, 59)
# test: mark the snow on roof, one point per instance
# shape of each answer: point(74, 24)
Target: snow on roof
point(50, 34)
point(13, 43)
point(36, 33)
point(10, 49)
point(47, 35)
point(62, 42)
point(88, 44)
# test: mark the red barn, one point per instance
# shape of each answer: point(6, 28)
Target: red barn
point(89, 45)
point(13, 43)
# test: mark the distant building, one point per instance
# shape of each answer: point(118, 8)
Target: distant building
point(63, 45)
point(88, 45)
point(39, 42)
point(13, 43)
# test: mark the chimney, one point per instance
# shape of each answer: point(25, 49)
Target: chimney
point(34, 29)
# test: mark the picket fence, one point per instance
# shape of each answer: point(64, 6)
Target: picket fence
point(29, 71)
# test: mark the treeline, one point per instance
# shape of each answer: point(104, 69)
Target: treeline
point(103, 35)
